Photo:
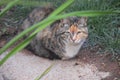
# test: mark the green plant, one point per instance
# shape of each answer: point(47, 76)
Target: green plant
point(44, 73)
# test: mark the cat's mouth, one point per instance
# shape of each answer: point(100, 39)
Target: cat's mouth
point(75, 42)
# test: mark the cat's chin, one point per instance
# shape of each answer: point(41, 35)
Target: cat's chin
point(74, 43)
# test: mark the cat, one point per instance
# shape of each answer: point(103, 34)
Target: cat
point(62, 40)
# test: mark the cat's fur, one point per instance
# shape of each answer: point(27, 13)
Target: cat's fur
point(62, 39)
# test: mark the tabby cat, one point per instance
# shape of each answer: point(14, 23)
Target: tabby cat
point(62, 39)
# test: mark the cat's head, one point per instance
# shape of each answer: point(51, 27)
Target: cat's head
point(74, 29)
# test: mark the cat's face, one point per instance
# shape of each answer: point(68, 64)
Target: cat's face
point(74, 29)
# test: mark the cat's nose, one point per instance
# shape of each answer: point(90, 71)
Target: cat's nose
point(73, 39)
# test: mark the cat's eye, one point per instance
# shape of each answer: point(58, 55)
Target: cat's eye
point(67, 32)
point(79, 32)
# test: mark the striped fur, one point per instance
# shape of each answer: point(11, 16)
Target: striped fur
point(62, 39)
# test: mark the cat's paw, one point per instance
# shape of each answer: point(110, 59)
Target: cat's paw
point(65, 58)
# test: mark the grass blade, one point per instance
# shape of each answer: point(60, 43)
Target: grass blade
point(16, 49)
point(10, 5)
point(62, 7)
point(27, 3)
point(20, 36)
point(88, 13)
point(21, 45)
point(45, 72)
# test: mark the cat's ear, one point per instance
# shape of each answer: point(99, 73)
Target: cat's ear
point(64, 21)
point(83, 20)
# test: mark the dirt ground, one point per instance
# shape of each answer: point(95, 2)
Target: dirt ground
point(102, 61)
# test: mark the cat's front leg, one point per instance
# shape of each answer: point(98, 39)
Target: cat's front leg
point(65, 58)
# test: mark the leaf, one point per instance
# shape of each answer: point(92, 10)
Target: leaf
point(45, 72)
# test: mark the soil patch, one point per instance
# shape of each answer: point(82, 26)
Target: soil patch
point(103, 62)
